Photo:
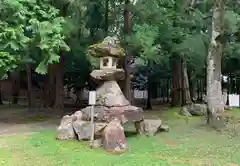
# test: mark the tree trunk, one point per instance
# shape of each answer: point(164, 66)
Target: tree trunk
point(149, 93)
point(106, 24)
point(176, 72)
point(182, 80)
point(214, 87)
point(1, 100)
point(51, 84)
point(29, 84)
point(59, 93)
point(79, 92)
point(127, 29)
point(15, 78)
point(45, 92)
point(186, 87)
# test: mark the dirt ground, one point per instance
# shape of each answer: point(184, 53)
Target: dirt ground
point(18, 120)
point(15, 120)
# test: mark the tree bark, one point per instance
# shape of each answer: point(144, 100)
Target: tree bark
point(214, 87)
point(59, 93)
point(29, 84)
point(15, 78)
point(127, 29)
point(149, 93)
point(51, 84)
point(182, 79)
point(1, 99)
point(186, 87)
point(106, 24)
point(79, 92)
point(176, 72)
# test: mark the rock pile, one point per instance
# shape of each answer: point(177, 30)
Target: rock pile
point(108, 129)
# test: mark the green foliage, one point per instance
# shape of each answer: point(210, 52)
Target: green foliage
point(77, 66)
point(7, 64)
point(37, 32)
point(32, 30)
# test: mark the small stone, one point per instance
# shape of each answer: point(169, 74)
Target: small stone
point(151, 126)
point(65, 130)
point(164, 127)
point(184, 112)
point(198, 109)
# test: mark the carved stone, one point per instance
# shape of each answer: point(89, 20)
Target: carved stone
point(108, 74)
point(110, 46)
point(109, 94)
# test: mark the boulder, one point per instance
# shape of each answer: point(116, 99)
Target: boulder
point(100, 114)
point(125, 114)
point(108, 74)
point(110, 95)
point(198, 109)
point(103, 114)
point(114, 138)
point(83, 129)
point(65, 130)
point(184, 112)
point(152, 126)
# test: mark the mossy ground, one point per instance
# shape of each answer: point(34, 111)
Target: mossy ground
point(189, 142)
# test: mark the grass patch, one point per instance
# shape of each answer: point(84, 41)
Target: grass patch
point(187, 143)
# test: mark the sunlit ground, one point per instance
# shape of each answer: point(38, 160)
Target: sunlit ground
point(189, 142)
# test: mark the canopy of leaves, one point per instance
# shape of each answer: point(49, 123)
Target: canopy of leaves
point(32, 30)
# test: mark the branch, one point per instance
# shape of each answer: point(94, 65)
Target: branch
point(192, 4)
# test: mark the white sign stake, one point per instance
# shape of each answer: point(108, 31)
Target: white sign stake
point(92, 102)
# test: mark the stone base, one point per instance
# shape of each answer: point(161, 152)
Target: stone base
point(104, 114)
point(65, 130)
point(114, 139)
point(108, 74)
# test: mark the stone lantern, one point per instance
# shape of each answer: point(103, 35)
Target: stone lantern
point(112, 109)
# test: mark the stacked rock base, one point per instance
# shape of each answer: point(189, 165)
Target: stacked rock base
point(109, 135)
point(108, 130)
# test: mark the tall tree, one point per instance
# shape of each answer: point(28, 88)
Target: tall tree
point(214, 86)
point(127, 30)
point(33, 31)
